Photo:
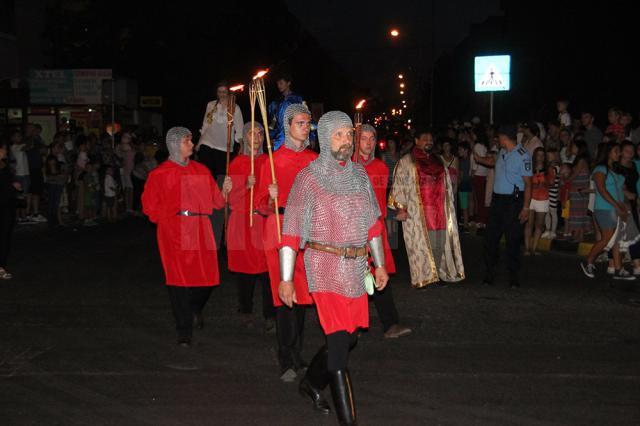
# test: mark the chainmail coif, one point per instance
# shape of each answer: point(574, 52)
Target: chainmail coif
point(246, 148)
point(292, 110)
point(173, 140)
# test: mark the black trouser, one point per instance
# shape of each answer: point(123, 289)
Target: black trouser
point(386, 307)
point(186, 301)
point(216, 162)
point(503, 219)
point(246, 286)
point(138, 188)
point(290, 332)
point(7, 221)
point(54, 195)
point(339, 344)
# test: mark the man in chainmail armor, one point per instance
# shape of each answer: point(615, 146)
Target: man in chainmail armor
point(333, 214)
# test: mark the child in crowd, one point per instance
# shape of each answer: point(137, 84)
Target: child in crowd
point(553, 182)
point(539, 206)
point(110, 192)
point(90, 184)
point(565, 187)
point(464, 184)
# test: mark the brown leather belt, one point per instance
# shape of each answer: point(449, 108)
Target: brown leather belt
point(346, 252)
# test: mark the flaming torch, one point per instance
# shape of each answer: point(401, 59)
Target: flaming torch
point(260, 93)
point(357, 122)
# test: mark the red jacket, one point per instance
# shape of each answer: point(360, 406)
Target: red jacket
point(244, 243)
point(186, 243)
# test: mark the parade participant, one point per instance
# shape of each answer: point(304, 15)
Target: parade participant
point(333, 213)
point(277, 110)
point(510, 204)
point(423, 198)
point(292, 157)
point(245, 251)
point(212, 146)
point(179, 196)
point(379, 176)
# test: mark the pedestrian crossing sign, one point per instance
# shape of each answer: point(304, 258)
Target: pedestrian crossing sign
point(492, 73)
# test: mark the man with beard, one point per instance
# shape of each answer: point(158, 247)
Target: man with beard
point(379, 176)
point(423, 198)
point(179, 196)
point(292, 157)
point(333, 214)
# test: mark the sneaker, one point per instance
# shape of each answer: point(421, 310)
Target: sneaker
point(396, 331)
point(39, 218)
point(624, 275)
point(604, 257)
point(611, 270)
point(288, 375)
point(545, 235)
point(589, 269)
point(552, 236)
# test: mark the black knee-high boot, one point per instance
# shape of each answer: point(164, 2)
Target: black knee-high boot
point(343, 400)
point(315, 380)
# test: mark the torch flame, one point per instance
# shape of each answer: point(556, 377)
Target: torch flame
point(360, 104)
point(239, 87)
point(260, 74)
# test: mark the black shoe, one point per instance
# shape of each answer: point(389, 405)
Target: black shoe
point(315, 380)
point(184, 342)
point(343, 400)
point(307, 390)
point(198, 321)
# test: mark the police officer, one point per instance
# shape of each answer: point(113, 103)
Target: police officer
point(509, 205)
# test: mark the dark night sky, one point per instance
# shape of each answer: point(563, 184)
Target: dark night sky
point(356, 34)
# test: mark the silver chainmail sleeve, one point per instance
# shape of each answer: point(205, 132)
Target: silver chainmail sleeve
point(377, 251)
point(287, 263)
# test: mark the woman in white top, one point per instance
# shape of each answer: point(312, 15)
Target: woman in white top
point(566, 138)
point(479, 178)
point(212, 146)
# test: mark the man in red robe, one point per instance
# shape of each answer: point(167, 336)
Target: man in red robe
point(422, 195)
point(379, 176)
point(179, 196)
point(292, 157)
point(245, 250)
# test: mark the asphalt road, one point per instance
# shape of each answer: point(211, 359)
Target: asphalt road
point(87, 338)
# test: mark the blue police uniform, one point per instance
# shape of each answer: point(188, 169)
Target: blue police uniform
point(506, 205)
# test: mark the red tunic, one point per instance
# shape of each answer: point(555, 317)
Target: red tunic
point(432, 189)
point(244, 243)
point(287, 164)
point(378, 175)
point(186, 243)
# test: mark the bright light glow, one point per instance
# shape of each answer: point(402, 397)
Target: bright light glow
point(409, 121)
point(239, 87)
point(402, 85)
point(402, 92)
point(360, 104)
point(394, 33)
point(400, 76)
point(260, 74)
